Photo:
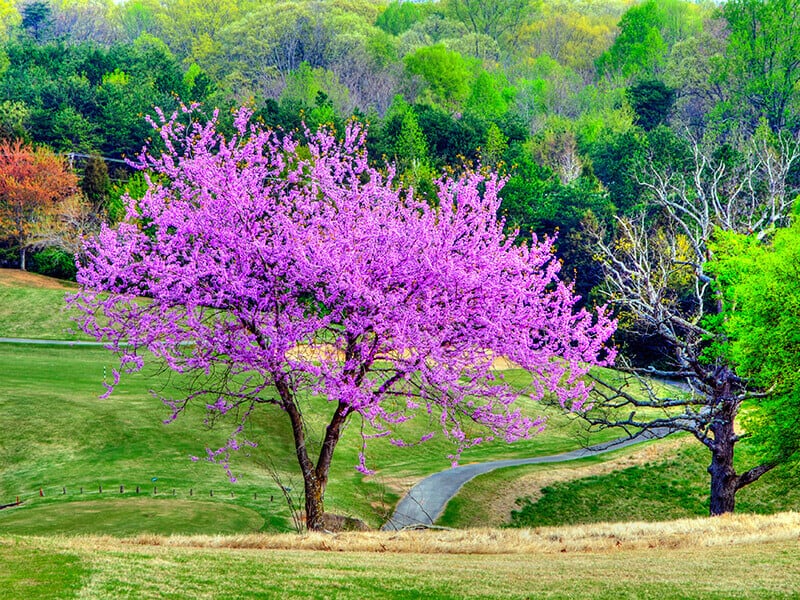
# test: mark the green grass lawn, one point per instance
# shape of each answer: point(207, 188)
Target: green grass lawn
point(32, 306)
point(42, 568)
point(60, 437)
point(673, 486)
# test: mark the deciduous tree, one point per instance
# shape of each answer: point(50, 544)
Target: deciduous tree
point(761, 284)
point(32, 181)
point(657, 273)
point(304, 279)
point(95, 183)
point(447, 75)
point(647, 32)
point(763, 57)
point(498, 19)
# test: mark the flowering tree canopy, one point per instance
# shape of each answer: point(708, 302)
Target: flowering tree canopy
point(274, 269)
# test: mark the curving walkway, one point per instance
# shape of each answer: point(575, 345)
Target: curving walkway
point(425, 502)
point(7, 340)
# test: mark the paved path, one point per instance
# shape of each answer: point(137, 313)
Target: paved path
point(4, 340)
point(425, 502)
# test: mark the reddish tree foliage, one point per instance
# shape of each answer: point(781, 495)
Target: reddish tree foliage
point(32, 182)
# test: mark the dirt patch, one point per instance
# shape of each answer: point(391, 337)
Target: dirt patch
point(17, 278)
point(500, 506)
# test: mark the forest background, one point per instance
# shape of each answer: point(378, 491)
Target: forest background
point(594, 111)
point(634, 131)
point(569, 99)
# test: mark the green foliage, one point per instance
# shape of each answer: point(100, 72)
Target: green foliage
point(491, 96)
point(37, 19)
point(89, 98)
point(9, 17)
point(95, 183)
point(137, 17)
point(570, 33)
point(135, 187)
point(13, 115)
point(496, 146)
point(615, 159)
point(535, 199)
point(499, 20)
point(320, 91)
point(647, 32)
point(548, 88)
point(618, 161)
point(761, 60)
point(54, 262)
point(401, 16)
point(187, 25)
point(761, 287)
point(411, 147)
point(652, 101)
point(447, 76)
point(451, 139)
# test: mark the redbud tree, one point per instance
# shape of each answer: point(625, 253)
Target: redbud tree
point(273, 271)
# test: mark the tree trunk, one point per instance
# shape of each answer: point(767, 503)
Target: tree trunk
point(724, 481)
point(316, 480)
point(22, 256)
point(315, 505)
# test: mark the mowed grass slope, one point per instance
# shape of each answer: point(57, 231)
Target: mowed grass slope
point(722, 558)
point(60, 438)
point(32, 306)
point(660, 480)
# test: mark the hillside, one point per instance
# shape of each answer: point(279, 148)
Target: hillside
point(32, 306)
point(73, 441)
point(731, 557)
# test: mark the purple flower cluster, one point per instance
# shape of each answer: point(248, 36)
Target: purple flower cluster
point(274, 271)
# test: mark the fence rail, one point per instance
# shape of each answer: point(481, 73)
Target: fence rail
point(119, 490)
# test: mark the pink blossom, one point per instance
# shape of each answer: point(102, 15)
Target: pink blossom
point(271, 273)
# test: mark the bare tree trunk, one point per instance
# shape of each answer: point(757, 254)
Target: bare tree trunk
point(724, 481)
point(315, 478)
point(313, 487)
point(22, 256)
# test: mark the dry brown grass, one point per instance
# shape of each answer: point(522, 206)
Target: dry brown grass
point(17, 278)
point(603, 537)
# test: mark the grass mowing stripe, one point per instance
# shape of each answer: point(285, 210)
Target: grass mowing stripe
point(33, 573)
point(759, 570)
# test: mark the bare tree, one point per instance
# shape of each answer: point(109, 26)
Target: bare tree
point(66, 225)
point(656, 274)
